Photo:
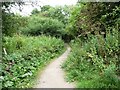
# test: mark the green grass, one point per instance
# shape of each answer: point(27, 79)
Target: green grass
point(25, 57)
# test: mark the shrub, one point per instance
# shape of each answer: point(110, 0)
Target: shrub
point(11, 23)
point(94, 60)
point(47, 26)
point(94, 63)
point(93, 18)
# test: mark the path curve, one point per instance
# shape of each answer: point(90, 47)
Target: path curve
point(53, 76)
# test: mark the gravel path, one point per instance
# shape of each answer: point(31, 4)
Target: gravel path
point(53, 76)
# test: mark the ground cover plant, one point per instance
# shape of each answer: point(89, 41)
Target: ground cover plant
point(25, 56)
point(88, 68)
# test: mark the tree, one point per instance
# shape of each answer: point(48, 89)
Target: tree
point(92, 18)
point(58, 12)
point(35, 11)
point(45, 8)
point(10, 22)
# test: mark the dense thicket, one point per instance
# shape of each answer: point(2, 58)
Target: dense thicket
point(49, 21)
point(87, 65)
point(24, 56)
point(37, 26)
point(93, 18)
point(95, 27)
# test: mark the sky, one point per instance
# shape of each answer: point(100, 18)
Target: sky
point(26, 10)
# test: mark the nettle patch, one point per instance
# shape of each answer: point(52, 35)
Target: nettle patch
point(26, 55)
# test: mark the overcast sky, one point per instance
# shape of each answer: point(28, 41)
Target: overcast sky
point(28, 7)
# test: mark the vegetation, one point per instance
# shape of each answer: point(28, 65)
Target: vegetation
point(60, 13)
point(96, 63)
point(37, 26)
point(25, 56)
point(12, 23)
point(26, 49)
point(91, 29)
point(87, 65)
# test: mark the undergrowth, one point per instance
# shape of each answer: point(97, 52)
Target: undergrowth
point(25, 56)
point(95, 64)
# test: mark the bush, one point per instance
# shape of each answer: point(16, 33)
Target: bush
point(11, 23)
point(93, 18)
point(25, 56)
point(94, 62)
point(47, 26)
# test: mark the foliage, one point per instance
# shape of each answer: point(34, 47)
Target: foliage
point(47, 26)
point(93, 18)
point(25, 56)
point(34, 11)
point(95, 27)
point(11, 23)
point(94, 65)
point(60, 13)
point(71, 27)
point(45, 8)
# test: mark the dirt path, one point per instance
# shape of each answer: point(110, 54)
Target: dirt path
point(53, 75)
